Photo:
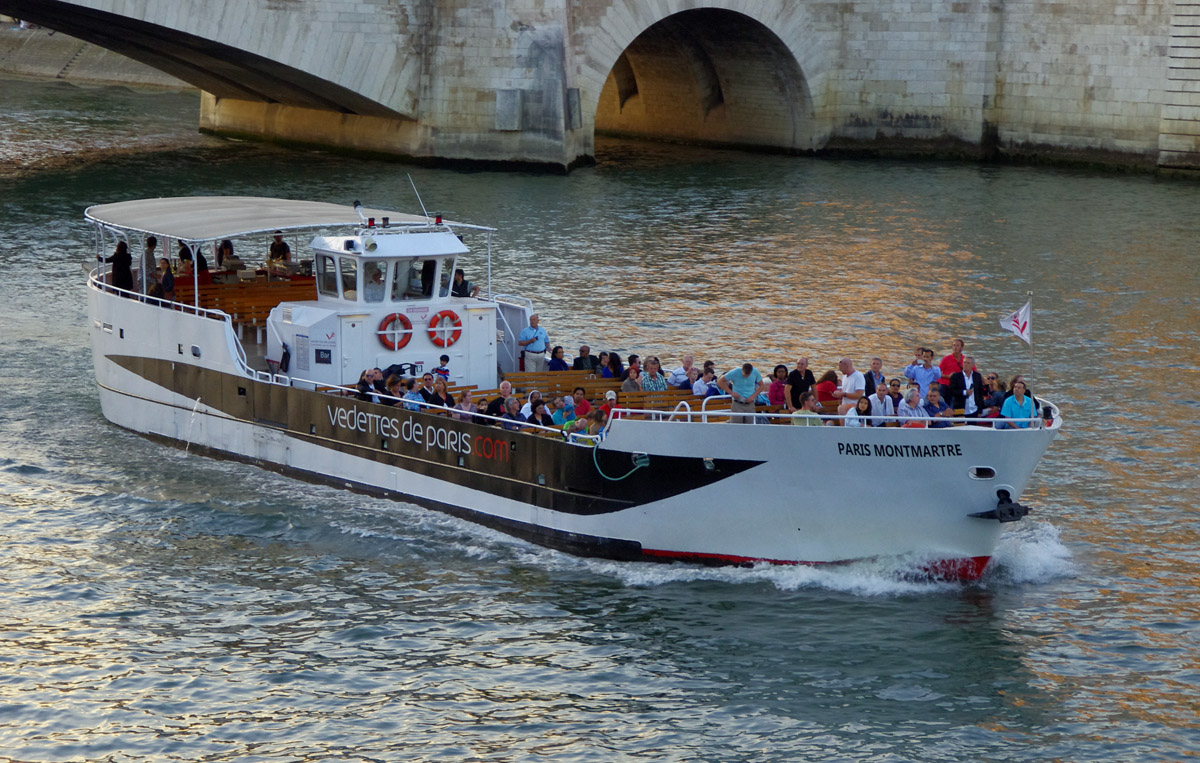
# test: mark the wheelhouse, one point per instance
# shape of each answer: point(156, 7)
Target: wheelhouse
point(362, 295)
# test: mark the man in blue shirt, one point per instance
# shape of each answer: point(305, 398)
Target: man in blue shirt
point(534, 341)
point(512, 414)
point(743, 384)
point(922, 370)
point(936, 407)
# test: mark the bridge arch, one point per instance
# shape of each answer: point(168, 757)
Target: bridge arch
point(706, 75)
point(221, 58)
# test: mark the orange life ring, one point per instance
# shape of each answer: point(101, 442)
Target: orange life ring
point(435, 328)
point(385, 333)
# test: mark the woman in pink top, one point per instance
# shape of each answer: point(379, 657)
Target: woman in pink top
point(775, 394)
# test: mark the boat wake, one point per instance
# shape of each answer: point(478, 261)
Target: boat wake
point(1032, 553)
point(1029, 553)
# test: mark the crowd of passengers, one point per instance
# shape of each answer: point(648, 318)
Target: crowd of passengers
point(574, 415)
point(161, 273)
point(926, 395)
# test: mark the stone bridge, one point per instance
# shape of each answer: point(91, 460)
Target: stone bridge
point(533, 81)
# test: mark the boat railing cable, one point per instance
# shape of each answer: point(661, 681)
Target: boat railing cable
point(640, 461)
point(680, 414)
point(238, 351)
point(96, 281)
point(236, 343)
point(513, 299)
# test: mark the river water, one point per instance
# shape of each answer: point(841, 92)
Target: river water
point(158, 606)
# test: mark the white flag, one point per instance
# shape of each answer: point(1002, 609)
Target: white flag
point(1020, 323)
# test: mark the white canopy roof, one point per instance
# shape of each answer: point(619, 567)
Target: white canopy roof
point(210, 218)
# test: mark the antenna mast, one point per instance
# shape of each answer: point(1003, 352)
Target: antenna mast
point(418, 195)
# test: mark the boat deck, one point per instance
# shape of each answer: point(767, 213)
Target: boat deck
point(256, 352)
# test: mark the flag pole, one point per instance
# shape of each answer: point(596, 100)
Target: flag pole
point(1032, 358)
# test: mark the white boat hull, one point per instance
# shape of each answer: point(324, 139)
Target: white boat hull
point(775, 493)
point(651, 489)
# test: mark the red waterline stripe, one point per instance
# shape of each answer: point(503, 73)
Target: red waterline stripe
point(727, 558)
point(964, 569)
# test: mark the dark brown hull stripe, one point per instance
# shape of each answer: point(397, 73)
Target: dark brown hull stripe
point(540, 471)
point(578, 544)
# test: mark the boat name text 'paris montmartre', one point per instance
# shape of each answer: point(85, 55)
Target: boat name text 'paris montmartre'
point(899, 451)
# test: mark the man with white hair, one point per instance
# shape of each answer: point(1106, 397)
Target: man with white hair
point(680, 375)
point(534, 341)
point(512, 414)
point(496, 407)
point(854, 386)
point(881, 405)
point(911, 407)
point(966, 388)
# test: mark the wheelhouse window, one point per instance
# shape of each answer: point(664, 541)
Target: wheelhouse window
point(374, 279)
point(349, 277)
point(416, 279)
point(447, 276)
point(326, 275)
point(400, 280)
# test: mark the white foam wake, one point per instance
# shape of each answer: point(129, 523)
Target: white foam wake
point(1028, 553)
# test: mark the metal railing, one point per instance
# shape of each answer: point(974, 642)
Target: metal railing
point(683, 412)
point(98, 283)
point(510, 335)
point(239, 354)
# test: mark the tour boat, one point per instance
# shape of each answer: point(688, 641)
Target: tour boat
point(261, 365)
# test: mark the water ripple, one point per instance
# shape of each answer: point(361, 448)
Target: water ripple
point(161, 606)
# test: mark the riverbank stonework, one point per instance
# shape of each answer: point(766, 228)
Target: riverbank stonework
point(532, 81)
point(39, 53)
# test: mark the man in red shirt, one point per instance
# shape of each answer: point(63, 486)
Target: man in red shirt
point(951, 364)
point(610, 402)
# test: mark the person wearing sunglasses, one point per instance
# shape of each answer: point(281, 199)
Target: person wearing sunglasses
point(993, 396)
point(896, 392)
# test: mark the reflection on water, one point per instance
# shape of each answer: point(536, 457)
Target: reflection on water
point(51, 123)
point(161, 605)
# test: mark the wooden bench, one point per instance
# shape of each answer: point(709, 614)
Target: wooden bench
point(555, 383)
point(656, 400)
point(546, 382)
point(248, 303)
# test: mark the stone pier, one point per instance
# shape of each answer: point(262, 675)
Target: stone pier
point(533, 81)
